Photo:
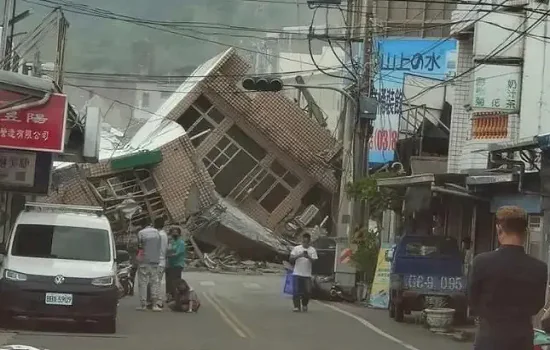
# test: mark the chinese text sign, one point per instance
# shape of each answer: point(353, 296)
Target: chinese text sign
point(39, 128)
point(423, 57)
point(497, 87)
point(17, 168)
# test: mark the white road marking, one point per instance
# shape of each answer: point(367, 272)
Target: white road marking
point(250, 285)
point(370, 326)
point(207, 283)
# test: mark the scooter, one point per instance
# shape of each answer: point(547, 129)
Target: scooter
point(124, 278)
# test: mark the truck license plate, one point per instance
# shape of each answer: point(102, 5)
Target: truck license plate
point(59, 299)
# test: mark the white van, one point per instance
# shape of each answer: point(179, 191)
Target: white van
point(59, 263)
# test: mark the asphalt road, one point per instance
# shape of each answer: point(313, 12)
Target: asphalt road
point(239, 313)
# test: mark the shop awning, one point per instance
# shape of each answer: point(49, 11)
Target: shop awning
point(421, 179)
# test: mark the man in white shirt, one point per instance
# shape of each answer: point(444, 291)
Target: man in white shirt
point(302, 256)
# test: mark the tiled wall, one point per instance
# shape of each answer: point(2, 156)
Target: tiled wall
point(460, 122)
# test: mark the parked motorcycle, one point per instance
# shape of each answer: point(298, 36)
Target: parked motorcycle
point(126, 284)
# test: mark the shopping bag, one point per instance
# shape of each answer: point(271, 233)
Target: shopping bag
point(289, 284)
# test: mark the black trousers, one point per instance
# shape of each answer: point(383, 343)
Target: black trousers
point(301, 291)
point(172, 274)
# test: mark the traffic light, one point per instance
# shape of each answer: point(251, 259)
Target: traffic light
point(263, 84)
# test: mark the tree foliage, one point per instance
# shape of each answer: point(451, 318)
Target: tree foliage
point(365, 256)
point(378, 198)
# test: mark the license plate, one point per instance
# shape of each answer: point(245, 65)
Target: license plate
point(435, 283)
point(59, 299)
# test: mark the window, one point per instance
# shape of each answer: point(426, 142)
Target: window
point(246, 142)
point(199, 117)
point(432, 246)
point(273, 186)
point(272, 200)
point(145, 100)
point(288, 177)
point(61, 242)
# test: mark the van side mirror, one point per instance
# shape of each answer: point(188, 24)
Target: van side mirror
point(3, 249)
point(122, 256)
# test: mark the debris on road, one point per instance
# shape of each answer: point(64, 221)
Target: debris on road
point(223, 259)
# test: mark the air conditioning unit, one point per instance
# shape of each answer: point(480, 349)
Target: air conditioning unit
point(307, 216)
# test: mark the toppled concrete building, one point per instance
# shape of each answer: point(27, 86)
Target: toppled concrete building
point(259, 151)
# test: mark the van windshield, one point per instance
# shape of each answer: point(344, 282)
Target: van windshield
point(61, 242)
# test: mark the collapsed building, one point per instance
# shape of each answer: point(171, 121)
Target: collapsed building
point(234, 166)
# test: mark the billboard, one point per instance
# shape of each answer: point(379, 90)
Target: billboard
point(431, 58)
point(35, 128)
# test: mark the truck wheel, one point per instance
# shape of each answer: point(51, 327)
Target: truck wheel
point(399, 312)
point(391, 309)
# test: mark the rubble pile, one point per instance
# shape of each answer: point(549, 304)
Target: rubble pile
point(223, 259)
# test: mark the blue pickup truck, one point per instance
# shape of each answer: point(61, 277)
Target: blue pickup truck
point(424, 266)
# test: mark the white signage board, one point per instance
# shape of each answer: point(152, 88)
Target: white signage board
point(17, 168)
point(497, 87)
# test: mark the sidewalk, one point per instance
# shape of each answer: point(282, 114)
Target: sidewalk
point(408, 331)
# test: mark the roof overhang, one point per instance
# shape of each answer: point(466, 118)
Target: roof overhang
point(449, 184)
point(422, 179)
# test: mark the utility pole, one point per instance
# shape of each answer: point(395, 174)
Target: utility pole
point(364, 132)
point(344, 274)
point(62, 26)
point(8, 9)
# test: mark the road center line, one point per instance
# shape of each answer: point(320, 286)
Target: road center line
point(224, 316)
point(370, 326)
point(234, 318)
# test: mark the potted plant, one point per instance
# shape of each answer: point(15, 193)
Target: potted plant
point(439, 317)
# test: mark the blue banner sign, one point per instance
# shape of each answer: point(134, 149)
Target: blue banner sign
point(431, 58)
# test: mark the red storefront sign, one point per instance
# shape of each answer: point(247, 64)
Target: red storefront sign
point(39, 128)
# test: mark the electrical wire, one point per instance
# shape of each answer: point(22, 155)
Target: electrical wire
point(492, 54)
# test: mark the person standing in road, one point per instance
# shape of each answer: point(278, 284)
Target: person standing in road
point(302, 256)
point(507, 287)
point(148, 269)
point(176, 260)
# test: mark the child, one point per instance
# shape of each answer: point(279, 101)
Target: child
point(186, 299)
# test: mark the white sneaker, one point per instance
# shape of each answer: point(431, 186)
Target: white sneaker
point(156, 308)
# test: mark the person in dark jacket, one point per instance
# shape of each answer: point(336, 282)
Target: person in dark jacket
point(507, 287)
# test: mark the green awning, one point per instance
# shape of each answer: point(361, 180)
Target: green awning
point(139, 159)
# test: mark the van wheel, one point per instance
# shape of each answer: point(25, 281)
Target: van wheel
point(399, 312)
point(108, 325)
